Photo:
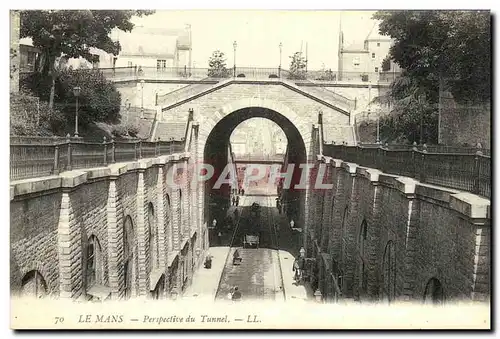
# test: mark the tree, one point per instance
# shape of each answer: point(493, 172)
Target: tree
point(217, 65)
point(71, 34)
point(386, 64)
point(454, 45)
point(430, 46)
point(297, 67)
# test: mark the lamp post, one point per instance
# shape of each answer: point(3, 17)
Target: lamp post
point(279, 68)
point(76, 92)
point(142, 99)
point(234, 58)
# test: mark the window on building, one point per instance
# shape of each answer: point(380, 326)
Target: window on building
point(31, 58)
point(356, 61)
point(95, 61)
point(373, 55)
point(376, 69)
point(33, 285)
point(161, 64)
point(129, 64)
point(378, 44)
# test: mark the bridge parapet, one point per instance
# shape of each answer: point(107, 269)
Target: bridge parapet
point(453, 167)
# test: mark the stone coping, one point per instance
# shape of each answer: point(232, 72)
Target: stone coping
point(71, 179)
point(468, 204)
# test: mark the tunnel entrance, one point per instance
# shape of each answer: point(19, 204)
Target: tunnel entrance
point(216, 153)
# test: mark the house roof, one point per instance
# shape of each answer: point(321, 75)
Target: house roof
point(153, 41)
point(375, 34)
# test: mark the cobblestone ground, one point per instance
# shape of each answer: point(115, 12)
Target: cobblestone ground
point(259, 275)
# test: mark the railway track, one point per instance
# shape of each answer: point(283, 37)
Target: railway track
point(258, 277)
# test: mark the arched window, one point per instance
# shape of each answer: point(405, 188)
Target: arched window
point(128, 255)
point(389, 273)
point(93, 274)
point(33, 285)
point(363, 262)
point(153, 238)
point(434, 292)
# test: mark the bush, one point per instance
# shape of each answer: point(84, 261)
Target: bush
point(125, 130)
point(30, 116)
point(99, 101)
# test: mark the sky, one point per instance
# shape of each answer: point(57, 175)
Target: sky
point(259, 33)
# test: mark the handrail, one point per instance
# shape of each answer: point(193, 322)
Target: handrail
point(461, 170)
point(38, 160)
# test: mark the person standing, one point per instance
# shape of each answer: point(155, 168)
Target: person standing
point(237, 201)
point(230, 294)
point(236, 294)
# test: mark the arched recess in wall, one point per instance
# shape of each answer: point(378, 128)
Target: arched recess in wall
point(181, 209)
point(153, 239)
point(389, 273)
point(362, 259)
point(434, 293)
point(343, 236)
point(128, 255)
point(33, 285)
point(93, 265)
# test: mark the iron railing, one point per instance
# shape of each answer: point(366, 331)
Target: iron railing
point(462, 170)
point(318, 76)
point(32, 160)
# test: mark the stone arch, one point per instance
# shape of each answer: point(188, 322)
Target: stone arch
point(434, 292)
point(389, 273)
point(94, 268)
point(362, 259)
point(129, 256)
point(303, 125)
point(44, 272)
point(153, 237)
point(34, 284)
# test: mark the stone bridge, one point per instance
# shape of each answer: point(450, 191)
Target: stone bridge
point(124, 230)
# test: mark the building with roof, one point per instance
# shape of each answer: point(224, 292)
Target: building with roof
point(364, 61)
point(155, 47)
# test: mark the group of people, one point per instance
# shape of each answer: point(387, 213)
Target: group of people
point(236, 200)
point(234, 294)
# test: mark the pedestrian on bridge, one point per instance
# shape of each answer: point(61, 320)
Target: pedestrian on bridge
point(237, 201)
point(233, 201)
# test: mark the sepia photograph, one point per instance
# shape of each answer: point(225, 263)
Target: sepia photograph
point(250, 169)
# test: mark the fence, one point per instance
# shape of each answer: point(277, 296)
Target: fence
point(38, 159)
point(134, 72)
point(462, 169)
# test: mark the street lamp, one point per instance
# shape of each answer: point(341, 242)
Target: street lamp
point(234, 55)
point(279, 68)
point(76, 92)
point(142, 99)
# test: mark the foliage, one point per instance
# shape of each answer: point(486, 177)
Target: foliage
point(29, 116)
point(98, 100)
point(72, 33)
point(217, 65)
point(455, 45)
point(386, 64)
point(327, 75)
point(297, 67)
point(13, 66)
point(125, 130)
